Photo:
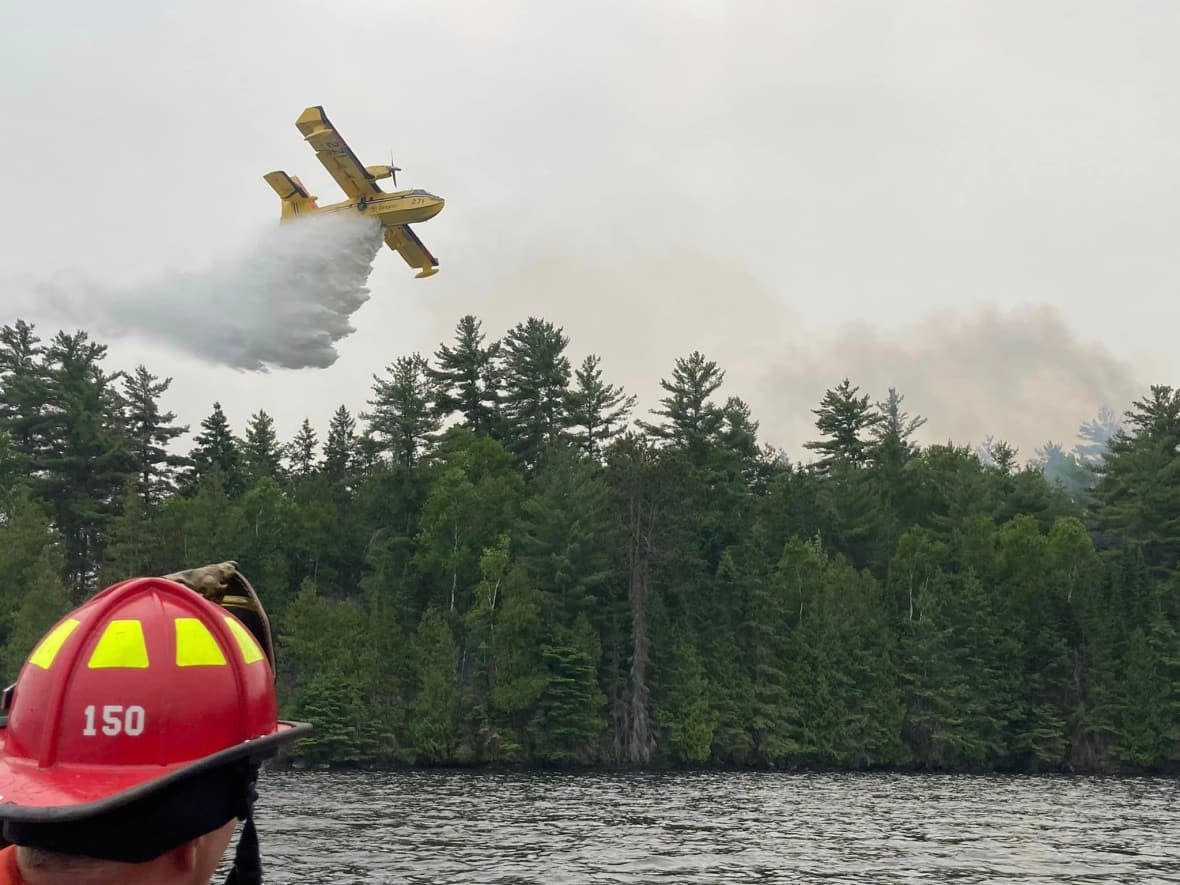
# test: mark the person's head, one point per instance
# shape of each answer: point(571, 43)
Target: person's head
point(133, 739)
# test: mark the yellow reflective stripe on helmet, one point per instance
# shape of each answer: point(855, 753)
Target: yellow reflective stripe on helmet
point(121, 646)
point(195, 645)
point(48, 647)
point(250, 650)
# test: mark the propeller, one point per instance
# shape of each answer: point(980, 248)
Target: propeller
point(393, 170)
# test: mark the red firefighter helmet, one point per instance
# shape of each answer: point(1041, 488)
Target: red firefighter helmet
point(144, 685)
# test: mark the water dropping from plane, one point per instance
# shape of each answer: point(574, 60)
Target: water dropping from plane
point(285, 300)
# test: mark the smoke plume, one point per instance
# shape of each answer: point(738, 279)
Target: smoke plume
point(284, 301)
point(1019, 375)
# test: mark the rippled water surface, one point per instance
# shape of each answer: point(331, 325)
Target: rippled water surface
point(448, 827)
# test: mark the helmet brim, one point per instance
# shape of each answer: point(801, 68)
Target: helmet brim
point(66, 792)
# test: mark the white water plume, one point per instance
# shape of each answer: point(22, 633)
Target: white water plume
point(284, 301)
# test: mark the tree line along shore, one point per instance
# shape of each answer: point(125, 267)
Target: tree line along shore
point(498, 563)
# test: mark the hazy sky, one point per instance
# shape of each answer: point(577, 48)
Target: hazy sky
point(973, 201)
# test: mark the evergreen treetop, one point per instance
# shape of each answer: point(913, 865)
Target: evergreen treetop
point(536, 373)
point(691, 419)
point(340, 448)
point(217, 451)
point(403, 417)
point(846, 420)
point(151, 433)
point(301, 451)
point(467, 377)
point(597, 412)
point(261, 454)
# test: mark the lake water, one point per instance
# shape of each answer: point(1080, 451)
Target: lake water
point(458, 827)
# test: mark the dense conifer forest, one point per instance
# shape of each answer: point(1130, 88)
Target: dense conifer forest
point(498, 563)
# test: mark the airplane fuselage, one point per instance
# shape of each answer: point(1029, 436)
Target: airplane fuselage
point(399, 207)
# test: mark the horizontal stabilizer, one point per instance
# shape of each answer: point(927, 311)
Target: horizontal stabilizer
point(285, 186)
point(291, 191)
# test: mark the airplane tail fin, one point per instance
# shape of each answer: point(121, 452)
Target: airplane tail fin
point(296, 199)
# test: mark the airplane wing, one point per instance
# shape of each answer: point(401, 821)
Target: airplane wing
point(333, 151)
point(406, 243)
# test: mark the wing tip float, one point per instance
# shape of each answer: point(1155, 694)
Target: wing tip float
point(402, 240)
point(313, 120)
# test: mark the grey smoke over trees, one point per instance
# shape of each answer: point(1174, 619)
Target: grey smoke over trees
point(1024, 373)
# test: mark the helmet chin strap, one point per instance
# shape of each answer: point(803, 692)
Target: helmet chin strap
point(247, 868)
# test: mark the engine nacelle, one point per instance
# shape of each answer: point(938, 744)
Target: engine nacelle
point(382, 172)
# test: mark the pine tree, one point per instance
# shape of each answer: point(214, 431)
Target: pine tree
point(1096, 435)
point(880, 504)
point(859, 652)
point(565, 537)
point(340, 449)
point(1064, 469)
point(775, 607)
point(84, 460)
point(325, 647)
point(1149, 708)
point(261, 455)
point(339, 719)
point(739, 430)
point(682, 705)
point(691, 419)
point(568, 720)
point(844, 418)
point(536, 373)
point(597, 411)
point(997, 455)
point(1035, 599)
point(737, 445)
point(467, 377)
point(893, 433)
point(404, 419)
point(217, 451)
point(960, 666)
point(24, 393)
point(386, 680)
point(150, 432)
point(724, 649)
point(301, 451)
point(1138, 490)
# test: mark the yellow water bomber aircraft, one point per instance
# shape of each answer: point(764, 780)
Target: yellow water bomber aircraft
point(396, 210)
